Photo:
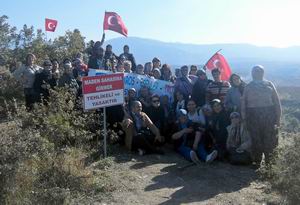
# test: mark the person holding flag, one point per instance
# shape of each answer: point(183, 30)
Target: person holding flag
point(217, 89)
point(219, 61)
point(221, 72)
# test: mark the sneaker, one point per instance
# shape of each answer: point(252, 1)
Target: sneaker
point(212, 156)
point(194, 157)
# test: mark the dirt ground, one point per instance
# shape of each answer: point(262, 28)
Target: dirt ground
point(155, 179)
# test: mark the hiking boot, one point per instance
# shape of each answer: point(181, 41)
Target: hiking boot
point(194, 157)
point(212, 156)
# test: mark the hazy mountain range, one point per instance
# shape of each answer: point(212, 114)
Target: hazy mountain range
point(282, 64)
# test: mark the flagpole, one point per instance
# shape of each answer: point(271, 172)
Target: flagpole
point(211, 58)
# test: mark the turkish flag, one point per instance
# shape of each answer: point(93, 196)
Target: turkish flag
point(112, 21)
point(218, 61)
point(50, 25)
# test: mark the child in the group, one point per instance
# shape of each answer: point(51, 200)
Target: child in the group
point(188, 140)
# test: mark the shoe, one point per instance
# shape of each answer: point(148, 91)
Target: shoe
point(194, 157)
point(212, 156)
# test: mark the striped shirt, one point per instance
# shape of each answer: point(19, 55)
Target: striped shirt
point(217, 90)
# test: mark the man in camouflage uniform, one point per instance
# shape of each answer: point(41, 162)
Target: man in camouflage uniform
point(261, 111)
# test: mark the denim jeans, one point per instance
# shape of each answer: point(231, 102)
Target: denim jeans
point(185, 152)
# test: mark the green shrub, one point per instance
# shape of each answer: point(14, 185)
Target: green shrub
point(284, 171)
point(62, 121)
point(10, 92)
point(43, 153)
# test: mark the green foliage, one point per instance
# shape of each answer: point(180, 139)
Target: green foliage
point(7, 36)
point(284, 171)
point(43, 154)
point(10, 93)
point(62, 121)
point(15, 46)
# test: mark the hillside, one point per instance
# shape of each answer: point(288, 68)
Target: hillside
point(282, 64)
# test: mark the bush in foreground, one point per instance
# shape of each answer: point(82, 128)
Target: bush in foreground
point(43, 154)
point(284, 172)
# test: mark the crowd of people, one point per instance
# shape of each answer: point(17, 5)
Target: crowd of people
point(207, 120)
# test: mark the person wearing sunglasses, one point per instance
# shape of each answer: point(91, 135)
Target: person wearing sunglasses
point(156, 113)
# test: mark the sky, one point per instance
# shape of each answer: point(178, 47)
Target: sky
point(259, 22)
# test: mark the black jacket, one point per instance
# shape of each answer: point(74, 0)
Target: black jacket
point(157, 116)
point(43, 78)
point(199, 91)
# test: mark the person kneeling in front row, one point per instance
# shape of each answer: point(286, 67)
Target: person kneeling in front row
point(188, 140)
point(141, 134)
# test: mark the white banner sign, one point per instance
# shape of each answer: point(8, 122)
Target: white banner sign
point(103, 91)
point(132, 80)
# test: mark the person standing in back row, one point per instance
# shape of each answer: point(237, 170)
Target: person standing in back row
point(199, 88)
point(184, 84)
point(218, 88)
point(128, 56)
point(261, 110)
point(26, 76)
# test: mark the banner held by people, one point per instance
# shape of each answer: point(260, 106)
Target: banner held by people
point(112, 21)
point(132, 80)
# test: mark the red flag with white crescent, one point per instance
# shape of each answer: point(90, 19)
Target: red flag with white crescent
point(50, 25)
point(112, 21)
point(218, 61)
